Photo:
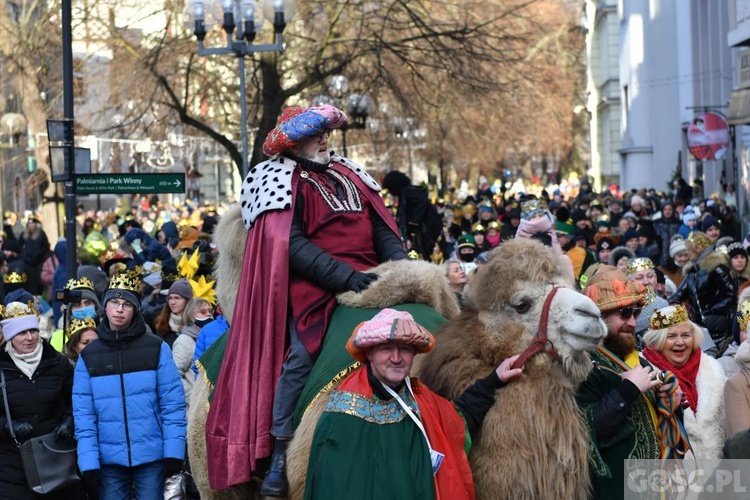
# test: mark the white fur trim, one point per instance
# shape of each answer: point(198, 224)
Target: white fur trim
point(705, 428)
point(268, 186)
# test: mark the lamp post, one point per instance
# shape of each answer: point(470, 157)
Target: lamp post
point(358, 107)
point(246, 17)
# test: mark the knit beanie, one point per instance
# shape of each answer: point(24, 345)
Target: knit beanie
point(708, 222)
point(736, 249)
point(677, 246)
point(182, 288)
point(629, 235)
point(688, 216)
point(611, 290)
point(22, 318)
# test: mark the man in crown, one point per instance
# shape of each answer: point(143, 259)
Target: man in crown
point(128, 402)
point(316, 224)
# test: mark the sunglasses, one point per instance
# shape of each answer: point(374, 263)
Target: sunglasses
point(628, 312)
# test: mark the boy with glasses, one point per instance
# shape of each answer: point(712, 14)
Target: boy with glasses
point(128, 402)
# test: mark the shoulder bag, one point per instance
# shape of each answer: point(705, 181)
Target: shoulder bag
point(48, 465)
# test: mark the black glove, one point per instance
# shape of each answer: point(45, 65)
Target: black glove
point(91, 480)
point(360, 281)
point(65, 430)
point(23, 430)
point(172, 466)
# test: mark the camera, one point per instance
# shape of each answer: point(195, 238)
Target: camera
point(67, 296)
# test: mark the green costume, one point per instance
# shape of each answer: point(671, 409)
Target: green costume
point(634, 435)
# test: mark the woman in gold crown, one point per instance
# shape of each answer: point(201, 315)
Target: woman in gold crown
point(39, 383)
point(81, 333)
point(672, 344)
point(708, 288)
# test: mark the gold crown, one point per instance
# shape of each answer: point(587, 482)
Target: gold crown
point(639, 264)
point(493, 225)
point(155, 268)
point(2, 311)
point(14, 277)
point(661, 320)
point(532, 205)
point(478, 227)
point(744, 315)
point(76, 325)
point(170, 277)
point(723, 249)
point(603, 217)
point(19, 309)
point(84, 282)
point(699, 239)
point(414, 255)
point(126, 280)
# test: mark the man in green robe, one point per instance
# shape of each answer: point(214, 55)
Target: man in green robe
point(386, 435)
point(620, 395)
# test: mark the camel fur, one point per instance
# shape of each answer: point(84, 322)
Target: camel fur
point(399, 282)
point(534, 441)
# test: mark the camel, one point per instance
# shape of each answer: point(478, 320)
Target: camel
point(534, 442)
point(399, 283)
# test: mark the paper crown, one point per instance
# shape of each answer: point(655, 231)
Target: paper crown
point(699, 239)
point(743, 315)
point(126, 280)
point(84, 282)
point(603, 219)
point(151, 267)
point(532, 205)
point(493, 225)
point(203, 288)
point(18, 309)
point(76, 325)
point(14, 277)
point(639, 264)
point(668, 316)
point(414, 255)
point(478, 227)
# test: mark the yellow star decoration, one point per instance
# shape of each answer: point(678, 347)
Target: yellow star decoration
point(189, 266)
point(203, 289)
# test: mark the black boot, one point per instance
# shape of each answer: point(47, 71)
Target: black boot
point(275, 483)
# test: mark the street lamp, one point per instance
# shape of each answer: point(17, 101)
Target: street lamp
point(358, 107)
point(246, 17)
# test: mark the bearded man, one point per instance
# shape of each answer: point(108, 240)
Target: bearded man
point(315, 223)
point(622, 394)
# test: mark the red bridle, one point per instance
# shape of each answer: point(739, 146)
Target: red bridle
point(539, 342)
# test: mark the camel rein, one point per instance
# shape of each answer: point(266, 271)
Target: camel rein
point(539, 342)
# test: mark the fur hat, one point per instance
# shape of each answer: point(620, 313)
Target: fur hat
point(297, 124)
point(389, 325)
point(611, 290)
point(677, 246)
point(182, 288)
point(618, 253)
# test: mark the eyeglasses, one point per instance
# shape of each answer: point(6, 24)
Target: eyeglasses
point(319, 138)
point(116, 304)
point(629, 312)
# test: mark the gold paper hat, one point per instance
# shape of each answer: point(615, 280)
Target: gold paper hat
point(699, 239)
point(668, 316)
point(532, 205)
point(639, 264)
point(14, 277)
point(84, 282)
point(76, 325)
point(414, 255)
point(18, 309)
point(494, 225)
point(478, 227)
point(743, 315)
point(126, 280)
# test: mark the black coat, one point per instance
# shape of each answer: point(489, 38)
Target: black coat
point(43, 401)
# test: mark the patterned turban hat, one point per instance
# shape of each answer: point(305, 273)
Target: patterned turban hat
point(611, 290)
point(389, 325)
point(297, 124)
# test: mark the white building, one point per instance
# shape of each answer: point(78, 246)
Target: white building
point(673, 65)
point(603, 90)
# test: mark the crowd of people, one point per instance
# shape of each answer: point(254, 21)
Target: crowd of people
point(105, 354)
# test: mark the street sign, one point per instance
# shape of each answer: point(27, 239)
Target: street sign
point(129, 183)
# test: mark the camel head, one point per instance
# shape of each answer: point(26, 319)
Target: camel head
point(508, 296)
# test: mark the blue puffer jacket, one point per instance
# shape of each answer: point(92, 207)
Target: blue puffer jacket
point(208, 336)
point(128, 401)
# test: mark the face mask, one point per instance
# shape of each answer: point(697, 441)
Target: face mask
point(200, 323)
point(85, 312)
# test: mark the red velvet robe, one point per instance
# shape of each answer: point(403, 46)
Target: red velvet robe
point(240, 416)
